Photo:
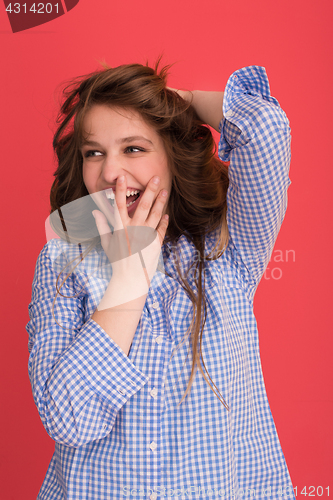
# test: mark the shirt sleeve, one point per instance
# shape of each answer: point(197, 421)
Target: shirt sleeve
point(80, 378)
point(255, 138)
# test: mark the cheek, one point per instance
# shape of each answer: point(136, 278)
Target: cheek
point(85, 176)
point(164, 171)
point(88, 180)
point(90, 174)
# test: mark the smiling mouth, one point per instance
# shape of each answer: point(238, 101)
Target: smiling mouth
point(132, 195)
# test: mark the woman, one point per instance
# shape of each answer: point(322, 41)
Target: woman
point(150, 380)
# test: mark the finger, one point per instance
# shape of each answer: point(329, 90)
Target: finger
point(147, 199)
point(105, 206)
point(152, 252)
point(162, 228)
point(117, 218)
point(121, 214)
point(157, 209)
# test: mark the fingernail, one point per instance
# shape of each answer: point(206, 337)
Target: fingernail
point(166, 217)
point(164, 193)
point(156, 180)
point(93, 215)
point(121, 179)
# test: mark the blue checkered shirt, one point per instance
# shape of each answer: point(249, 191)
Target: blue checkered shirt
point(118, 427)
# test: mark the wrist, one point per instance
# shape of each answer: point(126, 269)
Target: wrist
point(129, 282)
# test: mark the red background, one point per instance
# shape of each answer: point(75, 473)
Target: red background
point(207, 40)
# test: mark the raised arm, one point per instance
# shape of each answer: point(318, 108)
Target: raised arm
point(208, 105)
point(121, 307)
point(255, 139)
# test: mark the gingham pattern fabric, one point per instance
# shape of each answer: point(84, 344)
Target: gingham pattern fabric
point(119, 429)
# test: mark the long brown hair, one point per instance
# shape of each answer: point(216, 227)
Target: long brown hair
point(197, 202)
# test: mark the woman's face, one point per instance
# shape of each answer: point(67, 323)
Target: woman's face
point(119, 142)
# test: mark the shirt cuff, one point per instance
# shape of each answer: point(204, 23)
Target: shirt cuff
point(95, 365)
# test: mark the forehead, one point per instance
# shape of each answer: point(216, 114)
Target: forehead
point(101, 119)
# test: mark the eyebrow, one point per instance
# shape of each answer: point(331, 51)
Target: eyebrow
point(133, 138)
point(124, 140)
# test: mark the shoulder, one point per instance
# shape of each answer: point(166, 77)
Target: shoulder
point(59, 254)
point(57, 251)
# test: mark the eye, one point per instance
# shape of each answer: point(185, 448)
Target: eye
point(134, 149)
point(92, 153)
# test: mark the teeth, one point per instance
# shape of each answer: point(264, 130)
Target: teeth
point(110, 194)
point(131, 193)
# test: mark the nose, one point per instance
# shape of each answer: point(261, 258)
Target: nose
point(112, 169)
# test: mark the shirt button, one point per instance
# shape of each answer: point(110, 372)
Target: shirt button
point(154, 392)
point(155, 305)
point(121, 391)
point(159, 339)
point(153, 446)
point(153, 496)
point(228, 114)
